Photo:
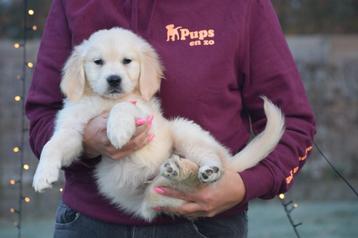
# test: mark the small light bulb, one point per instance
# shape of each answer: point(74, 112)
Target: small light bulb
point(30, 65)
point(17, 98)
point(16, 149)
point(281, 196)
point(27, 199)
point(34, 28)
point(295, 205)
point(12, 210)
point(26, 167)
point(61, 190)
point(31, 12)
point(12, 181)
point(17, 45)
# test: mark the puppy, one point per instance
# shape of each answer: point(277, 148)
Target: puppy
point(106, 73)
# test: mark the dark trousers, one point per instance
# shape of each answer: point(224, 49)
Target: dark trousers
point(71, 224)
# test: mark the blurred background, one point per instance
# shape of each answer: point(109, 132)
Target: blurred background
point(323, 37)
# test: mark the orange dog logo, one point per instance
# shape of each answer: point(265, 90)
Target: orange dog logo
point(172, 32)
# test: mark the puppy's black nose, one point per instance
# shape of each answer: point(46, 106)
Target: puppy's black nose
point(114, 81)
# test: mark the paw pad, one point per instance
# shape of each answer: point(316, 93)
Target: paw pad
point(209, 174)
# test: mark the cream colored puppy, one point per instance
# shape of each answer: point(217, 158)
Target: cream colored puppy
point(105, 73)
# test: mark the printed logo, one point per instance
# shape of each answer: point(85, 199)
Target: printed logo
point(194, 38)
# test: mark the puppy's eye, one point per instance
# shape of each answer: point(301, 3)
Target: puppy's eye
point(99, 61)
point(126, 61)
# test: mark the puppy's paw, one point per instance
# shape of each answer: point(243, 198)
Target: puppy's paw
point(121, 124)
point(119, 138)
point(148, 213)
point(45, 177)
point(209, 174)
point(170, 169)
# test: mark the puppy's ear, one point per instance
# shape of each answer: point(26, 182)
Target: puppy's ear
point(151, 73)
point(73, 80)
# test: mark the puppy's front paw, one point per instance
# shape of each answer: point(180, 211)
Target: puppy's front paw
point(121, 124)
point(209, 174)
point(119, 138)
point(45, 177)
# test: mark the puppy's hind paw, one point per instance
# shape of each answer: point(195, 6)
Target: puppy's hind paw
point(170, 169)
point(209, 174)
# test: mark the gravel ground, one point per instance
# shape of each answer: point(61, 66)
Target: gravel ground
point(266, 220)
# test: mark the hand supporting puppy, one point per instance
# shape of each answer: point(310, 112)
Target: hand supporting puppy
point(210, 200)
point(96, 142)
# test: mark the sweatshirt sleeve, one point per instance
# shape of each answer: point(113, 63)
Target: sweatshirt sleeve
point(44, 97)
point(268, 69)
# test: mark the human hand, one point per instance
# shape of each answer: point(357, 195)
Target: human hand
point(96, 142)
point(208, 200)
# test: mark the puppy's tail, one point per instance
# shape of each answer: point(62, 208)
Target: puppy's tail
point(263, 143)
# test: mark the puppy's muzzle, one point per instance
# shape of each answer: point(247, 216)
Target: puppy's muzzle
point(114, 83)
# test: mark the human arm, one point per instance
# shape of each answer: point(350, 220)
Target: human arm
point(45, 98)
point(266, 67)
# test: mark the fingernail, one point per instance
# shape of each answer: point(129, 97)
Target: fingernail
point(150, 137)
point(140, 121)
point(159, 190)
point(158, 209)
point(133, 102)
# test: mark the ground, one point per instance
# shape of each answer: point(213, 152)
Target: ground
point(266, 220)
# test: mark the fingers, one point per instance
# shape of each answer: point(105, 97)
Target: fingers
point(190, 209)
point(174, 193)
point(198, 204)
point(94, 136)
point(143, 125)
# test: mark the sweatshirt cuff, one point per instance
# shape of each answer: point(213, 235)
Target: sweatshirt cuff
point(258, 182)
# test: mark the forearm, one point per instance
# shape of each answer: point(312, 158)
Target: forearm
point(44, 97)
point(269, 70)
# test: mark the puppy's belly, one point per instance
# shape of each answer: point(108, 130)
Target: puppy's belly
point(122, 182)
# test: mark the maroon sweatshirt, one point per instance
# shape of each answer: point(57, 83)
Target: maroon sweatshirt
point(219, 56)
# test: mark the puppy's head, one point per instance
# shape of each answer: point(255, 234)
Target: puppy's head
point(112, 63)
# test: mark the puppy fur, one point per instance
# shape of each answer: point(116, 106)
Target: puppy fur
point(105, 73)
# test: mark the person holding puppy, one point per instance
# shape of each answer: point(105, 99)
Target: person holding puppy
point(218, 64)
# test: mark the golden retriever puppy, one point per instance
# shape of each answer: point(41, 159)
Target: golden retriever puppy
point(106, 73)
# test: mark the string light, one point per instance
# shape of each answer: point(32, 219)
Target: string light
point(281, 196)
point(61, 190)
point(31, 12)
point(13, 210)
point(289, 207)
point(27, 199)
point(19, 98)
point(30, 65)
point(12, 181)
point(17, 45)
